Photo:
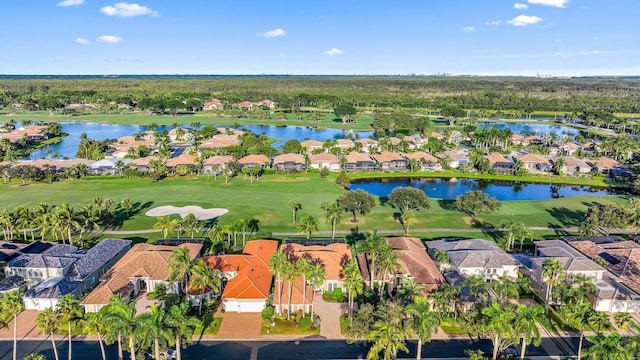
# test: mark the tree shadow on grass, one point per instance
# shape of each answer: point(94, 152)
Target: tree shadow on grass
point(120, 215)
point(567, 217)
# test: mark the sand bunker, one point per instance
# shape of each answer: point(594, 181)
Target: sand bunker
point(197, 211)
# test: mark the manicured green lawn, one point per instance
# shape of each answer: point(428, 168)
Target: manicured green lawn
point(212, 326)
point(284, 327)
point(267, 202)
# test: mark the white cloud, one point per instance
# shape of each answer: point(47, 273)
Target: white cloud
point(520, 6)
point(109, 39)
point(273, 33)
point(491, 23)
point(67, 3)
point(469, 29)
point(594, 52)
point(81, 41)
point(333, 51)
point(126, 10)
point(554, 3)
point(524, 20)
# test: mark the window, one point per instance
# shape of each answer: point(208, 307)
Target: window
point(332, 285)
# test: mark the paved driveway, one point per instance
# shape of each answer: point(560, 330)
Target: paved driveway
point(240, 325)
point(329, 317)
point(26, 326)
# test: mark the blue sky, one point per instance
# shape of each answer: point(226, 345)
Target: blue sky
point(484, 37)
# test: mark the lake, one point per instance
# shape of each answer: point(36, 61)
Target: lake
point(537, 129)
point(69, 145)
point(450, 188)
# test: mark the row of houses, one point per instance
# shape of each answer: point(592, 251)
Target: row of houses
point(217, 104)
point(31, 133)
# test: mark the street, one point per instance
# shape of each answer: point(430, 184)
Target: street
point(287, 350)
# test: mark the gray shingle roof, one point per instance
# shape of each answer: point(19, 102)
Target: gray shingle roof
point(52, 288)
point(98, 255)
point(40, 261)
point(12, 283)
point(473, 253)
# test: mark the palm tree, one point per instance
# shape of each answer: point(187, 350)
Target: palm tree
point(388, 264)
point(353, 282)
point(276, 263)
point(69, 307)
point(408, 290)
point(303, 266)
point(190, 224)
point(308, 225)
point(119, 320)
point(622, 320)
point(598, 320)
point(68, 220)
point(497, 326)
point(607, 347)
point(388, 339)
point(334, 215)
point(93, 324)
point(316, 277)
point(180, 266)
point(162, 224)
point(204, 277)
point(12, 305)
point(407, 218)
point(127, 205)
point(373, 245)
point(152, 328)
point(294, 206)
point(87, 220)
point(181, 326)
point(423, 321)
point(527, 321)
point(289, 273)
point(580, 315)
point(48, 321)
point(552, 274)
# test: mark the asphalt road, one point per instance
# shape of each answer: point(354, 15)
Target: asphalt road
point(286, 350)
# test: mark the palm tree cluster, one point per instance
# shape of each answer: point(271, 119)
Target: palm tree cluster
point(286, 270)
point(382, 261)
point(11, 305)
point(61, 222)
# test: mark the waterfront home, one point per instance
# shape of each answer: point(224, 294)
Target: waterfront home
point(425, 160)
point(253, 160)
point(184, 159)
point(532, 140)
point(389, 161)
point(608, 166)
point(289, 162)
point(138, 272)
point(534, 162)
point(216, 164)
point(499, 163)
point(106, 166)
point(454, 159)
point(246, 278)
point(368, 144)
point(219, 142)
point(517, 139)
point(324, 160)
point(475, 257)
point(570, 148)
point(214, 104)
point(30, 133)
point(142, 164)
point(359, 162)
point(64, 269)
point(312, 145)
point(572, 165)
point(344, 144)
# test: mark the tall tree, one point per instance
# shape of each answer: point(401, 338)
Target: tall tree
point(423, 321)
point(497, 325)
point(152, 329)
point(276, 265)
point(527, 320)
point(181, 326)
point(48, 320)
point(203, 277)
point(373, 246)
point(353, 282)
point(552, 274)
point(406, 198)
point(388, 339)
point(607, 347)
point(308, 225)
point(303, 266)
point(69, 307)
point(294, 206)
point(357, 202)
point(333, 215)
point(119, 319)
point(93, 324)
point(316, 277)
point(475, 202)
point(180, 266)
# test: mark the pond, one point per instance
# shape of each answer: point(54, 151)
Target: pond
point(450, 188)
point(537, 129)
point(69, 145)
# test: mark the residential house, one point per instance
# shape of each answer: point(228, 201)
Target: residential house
point(454, 159)
point(312, 145)
point(106, 166)
point(344, 144)
point(368, 144)
point(214, 104)
point(184, 159)
point(517, 139)
point(388, 161)
point(437, 135)
point(139, 271)
point(289, 162)
point(532, 140)
point(253, 160)
point(216, 164)
point(359, 162)
point(64, 269)
point(572, 165)
point(476, 257)
point(246, 278)
point(324, 160)
point(425, 160)
point(499, 163)
point(608, 166)
point(142, 164)
point(535, 162)
point(570, 148)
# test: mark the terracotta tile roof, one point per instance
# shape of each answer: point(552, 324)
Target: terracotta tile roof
point(217, 143)
point(607, 163)
point(254, 159)
point(531, 139)
point(324, 157)
point(143, 161)
point(394, 140)
point(218, 160)
point(495, 158)
point(332, 257)
point(533, 158)
point(419, 155)
point(344, 143)
point(183, 159)
point(437, 135)
point(297, 294)
point(253, 277)
point(453, 155)
point(367, 141)
point(517, 138)
point(387, 156)
point(312, 144)
point(141, 260)
point(416, 262)
point(296, 158)
point(354, 157)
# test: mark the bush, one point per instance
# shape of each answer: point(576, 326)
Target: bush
point(267, 313)
point(305, 323)
point(334, 296)
point(324, 172)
